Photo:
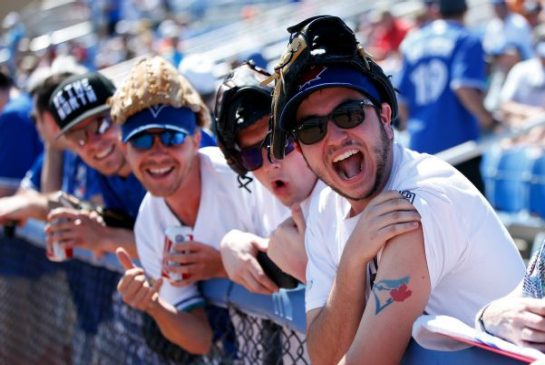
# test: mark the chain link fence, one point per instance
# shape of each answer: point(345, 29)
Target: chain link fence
point(71, 313)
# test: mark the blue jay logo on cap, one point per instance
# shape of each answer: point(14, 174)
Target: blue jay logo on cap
point(156, 109)
point(313, 74)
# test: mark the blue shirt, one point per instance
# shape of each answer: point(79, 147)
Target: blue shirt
point(20, 144)
point(122, 193)
point(437, 59)
point(80, 180)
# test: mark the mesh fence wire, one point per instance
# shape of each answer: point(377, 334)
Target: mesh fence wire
point(70, 313)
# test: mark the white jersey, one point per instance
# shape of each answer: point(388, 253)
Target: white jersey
point(525, 84)
point(223, 207)
point(471, 257)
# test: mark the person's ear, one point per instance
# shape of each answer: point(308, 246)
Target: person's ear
point(197, 138)
point(385, 114)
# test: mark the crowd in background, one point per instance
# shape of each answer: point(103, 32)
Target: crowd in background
point(500, 72)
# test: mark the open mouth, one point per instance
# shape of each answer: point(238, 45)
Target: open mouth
point(104, 153)
point(277, 184)
point(348, 164)
point(160, 171)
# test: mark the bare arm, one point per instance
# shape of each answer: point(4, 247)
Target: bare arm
point(7, 191)
point(239, 256)
point(517, 319)
point(22, 206)
point(331, 329)
point(399, 295)
point(80, 228)
point(287, 245)
point(189, 330)
point(473, 100)
point(51, 176)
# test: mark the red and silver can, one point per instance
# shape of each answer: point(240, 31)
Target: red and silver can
point(174, 235)
point(56, 252)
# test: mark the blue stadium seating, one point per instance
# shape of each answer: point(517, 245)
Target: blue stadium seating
point(536, 190)
point(507, 173)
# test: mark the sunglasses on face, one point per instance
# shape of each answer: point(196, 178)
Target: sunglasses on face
point(98, 127)
point(144, 141)
point(348, 115)
point(252, 157)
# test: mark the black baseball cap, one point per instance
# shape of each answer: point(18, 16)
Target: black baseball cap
point(80, 97)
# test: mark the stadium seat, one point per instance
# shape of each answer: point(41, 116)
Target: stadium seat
point(536, 190)
point(511, 181)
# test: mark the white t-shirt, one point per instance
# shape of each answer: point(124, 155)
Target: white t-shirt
point(525, 83)
point(471, 257)
point(223, 207)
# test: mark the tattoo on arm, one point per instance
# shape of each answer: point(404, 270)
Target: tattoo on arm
point(387, 292)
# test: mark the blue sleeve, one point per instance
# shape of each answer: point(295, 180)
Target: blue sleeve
point(207, 139)
point(33, 177)
point(468, 66)
point(19, 146)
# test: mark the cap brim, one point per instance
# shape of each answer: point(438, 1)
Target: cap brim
point(146, 127)
point(88, 114)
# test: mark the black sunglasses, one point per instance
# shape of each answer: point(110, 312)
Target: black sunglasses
point(144, 141)
point(348, 115)
point(98, 126)
point(251, 157)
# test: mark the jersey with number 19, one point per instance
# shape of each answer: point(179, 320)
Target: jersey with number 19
point(438, 59)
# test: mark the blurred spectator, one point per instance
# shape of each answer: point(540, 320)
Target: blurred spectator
point(20, 144)
point(523, 93)
point(198, 69)
point(441, 87)
point(388, 33)
point(532, 11)
point(500, 63)
point(507, 27)
point(170, 42)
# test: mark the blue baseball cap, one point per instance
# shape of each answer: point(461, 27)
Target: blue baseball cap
point(323, 76)
point(159, 116)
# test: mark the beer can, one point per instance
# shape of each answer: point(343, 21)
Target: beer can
point(56, 252)
point(174, 235)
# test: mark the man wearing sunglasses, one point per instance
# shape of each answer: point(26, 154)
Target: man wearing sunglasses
point(79, 107)
point(242, 126)
point(188, 189)
point(362, 295)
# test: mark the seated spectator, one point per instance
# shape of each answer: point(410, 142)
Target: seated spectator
point(520, 316)
point(20, 144)
point(500, 61)
point(507, 26)
point(242, 125)
point(523, 92)
point(188, 189)
point(388, 33)
point(366, 289)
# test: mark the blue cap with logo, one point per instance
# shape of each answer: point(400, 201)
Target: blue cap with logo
point(320, 77)
point(159, 116)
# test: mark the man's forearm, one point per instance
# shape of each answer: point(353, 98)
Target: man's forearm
point(119, 237)
point(472, 99)
point(189, 330)
point(51, 175)
point(331, 333)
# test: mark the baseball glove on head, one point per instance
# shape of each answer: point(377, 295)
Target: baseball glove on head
point(321, 41)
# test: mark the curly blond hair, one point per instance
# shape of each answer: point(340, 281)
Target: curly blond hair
point(154, 81)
